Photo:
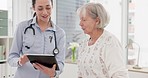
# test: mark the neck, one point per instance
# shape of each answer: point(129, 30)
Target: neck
point(95, 35)
point(43, 25)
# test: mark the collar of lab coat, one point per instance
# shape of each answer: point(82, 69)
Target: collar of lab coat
point(34, 21)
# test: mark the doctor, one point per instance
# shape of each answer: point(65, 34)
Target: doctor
point(38, 35)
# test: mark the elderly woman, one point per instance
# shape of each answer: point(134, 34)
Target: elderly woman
point(101, 55)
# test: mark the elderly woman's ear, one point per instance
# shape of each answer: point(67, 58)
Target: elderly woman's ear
point(97, 21)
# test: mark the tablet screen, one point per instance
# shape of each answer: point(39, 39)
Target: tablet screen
point(44, 59)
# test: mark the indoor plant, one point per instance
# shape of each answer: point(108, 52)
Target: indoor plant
point(73, 46)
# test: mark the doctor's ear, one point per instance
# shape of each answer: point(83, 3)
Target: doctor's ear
point(33, 7)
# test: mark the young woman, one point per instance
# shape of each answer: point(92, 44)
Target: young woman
point(38, 35)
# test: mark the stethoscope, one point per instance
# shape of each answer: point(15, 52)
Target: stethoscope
point(55, 50)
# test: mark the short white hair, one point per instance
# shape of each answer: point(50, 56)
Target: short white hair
point(95, 10)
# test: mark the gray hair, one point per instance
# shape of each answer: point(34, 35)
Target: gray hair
point(95, 10)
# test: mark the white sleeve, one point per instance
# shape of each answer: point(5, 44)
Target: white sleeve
point(81, 47)
point(114, 60)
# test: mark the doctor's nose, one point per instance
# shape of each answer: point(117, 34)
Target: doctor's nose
point(45, 11)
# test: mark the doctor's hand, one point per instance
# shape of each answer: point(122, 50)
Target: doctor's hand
point(23, 59)
point(49, 71)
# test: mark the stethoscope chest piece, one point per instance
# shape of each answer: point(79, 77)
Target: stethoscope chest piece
point(55, 51)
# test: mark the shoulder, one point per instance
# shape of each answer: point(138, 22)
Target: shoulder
point(21, 26)
point(110, 38)
point(112, 44)
point(24, 24)
point(60, 31)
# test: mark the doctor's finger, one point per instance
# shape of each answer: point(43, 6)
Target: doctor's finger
point(23, 59)
point(41, 66)
point(54, 67)
point(36, 65)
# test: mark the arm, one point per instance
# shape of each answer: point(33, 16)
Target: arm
point(16, 48)
point(79, 52)
point(114, 60)
point(79, 71)
point(14, 58)
point(61, 55)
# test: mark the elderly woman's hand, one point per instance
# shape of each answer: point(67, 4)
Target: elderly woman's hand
point(49, 71)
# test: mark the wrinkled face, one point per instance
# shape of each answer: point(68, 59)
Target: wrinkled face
point(88, 24)
point(43, 9)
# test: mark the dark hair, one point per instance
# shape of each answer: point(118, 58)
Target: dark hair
point(34, 1)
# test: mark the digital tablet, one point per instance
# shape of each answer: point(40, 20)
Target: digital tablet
point(44, 59)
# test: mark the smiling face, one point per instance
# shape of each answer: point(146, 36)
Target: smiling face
point(88, 24)
point(43, 9)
